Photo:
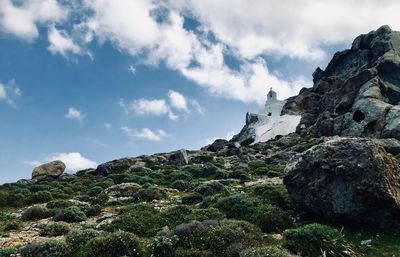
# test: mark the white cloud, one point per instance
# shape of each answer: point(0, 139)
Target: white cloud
point(178, 101)
point(61, 43)
point(145, 133)
point(132, 69)
point(9, 92)
point(74, 113)
point(108, 126)
point(74, 161)
point(22, 20)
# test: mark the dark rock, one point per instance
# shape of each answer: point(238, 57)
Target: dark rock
point(217, 146)
point(178, 158)
point(347, 179)
point(358, 94)
point(115, 166)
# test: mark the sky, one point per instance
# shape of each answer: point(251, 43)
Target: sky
point(89, 81)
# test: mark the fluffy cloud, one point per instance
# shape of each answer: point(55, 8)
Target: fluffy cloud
point(145, 133)
point(61, 43)
point(289, 28)
point(74, 161)
point(161, 107)
point(22, 20)
point(249, 32)
point(178, 100)
point(9, 92)
point(74, 113)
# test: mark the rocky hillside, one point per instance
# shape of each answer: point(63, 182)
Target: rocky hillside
point(330, 189)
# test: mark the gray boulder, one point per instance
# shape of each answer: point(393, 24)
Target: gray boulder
point(122, 190)
point(178, 158)
point(347, 179)
point(52, 169)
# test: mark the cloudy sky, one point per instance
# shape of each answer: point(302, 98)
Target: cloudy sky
point(87, 81)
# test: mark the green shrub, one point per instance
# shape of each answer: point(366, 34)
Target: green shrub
point(180, 184)
point(272, 251)
point(100, 199)
point(12, 225)
point(314, 240)
point(7, 252)
point(58, 204)
point(55, 229)
point(205, 214)
point(177, 215)
point(271, 219)
point(218, 237)
point(41, 197)
point(76, 240)
point(274, 194)
point(117, 244)
point(50, 248)
point(180, 175)
point(182, 252)
point(36, 212)
point(70, 214)
point(211, 188)
point(192, 198)
point(148, 194)
point(94, 191)
point(162, 246)
point(238, 206)
point(142, 219)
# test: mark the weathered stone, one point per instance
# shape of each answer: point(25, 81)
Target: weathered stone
point(347, 179)
point(122, 190)
point(358, 94)
point(178, 158)
point(115, 166)
point(52, 169)
point(216, 146)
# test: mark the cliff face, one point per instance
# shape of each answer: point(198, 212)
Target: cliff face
point(358, 94)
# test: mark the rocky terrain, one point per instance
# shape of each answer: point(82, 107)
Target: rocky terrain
point(332, 188)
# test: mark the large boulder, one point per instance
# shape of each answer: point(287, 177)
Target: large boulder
point(52, 169)
point(358, 94)
point(347, 179)
point(178, 158)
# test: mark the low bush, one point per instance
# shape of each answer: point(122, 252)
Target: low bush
point(180, 175)
point(216, 237)
point(180, 184)
point(272, 251)
point(58, 204)
point(76, 239)
point(36, 212)
point(316, 240)
point(162, 246)
point(12, 225)
point(211, 188)
point(192, 198)
point(50, 248)
point(271, 218)
point(7, 252)
point(55, 229)
point(148, 194)
point(70, 214)
point(41, 197)
point(238, 206)
point(94, 191)
point(117, 244)
point(142, 219)
point(273, 194)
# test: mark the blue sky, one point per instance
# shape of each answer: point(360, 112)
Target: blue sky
point(88, 81)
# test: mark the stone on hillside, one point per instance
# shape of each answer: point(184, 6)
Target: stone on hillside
point(178, 158)
point(52, 169)
point(216, 146)
point(115, 166)
point(122, 190)
point(347, 179)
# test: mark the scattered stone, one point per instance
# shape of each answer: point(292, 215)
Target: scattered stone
point(179, 158)
point(122, 190)
point(347, 179)
point(52, 169)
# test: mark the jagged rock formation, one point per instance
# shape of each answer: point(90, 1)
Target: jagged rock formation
point(358, 94)
point(51, 169)
point(349, 179)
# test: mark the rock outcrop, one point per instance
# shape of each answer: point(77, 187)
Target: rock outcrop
point(358, 94)
point(347, 179)
point(52, 169)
